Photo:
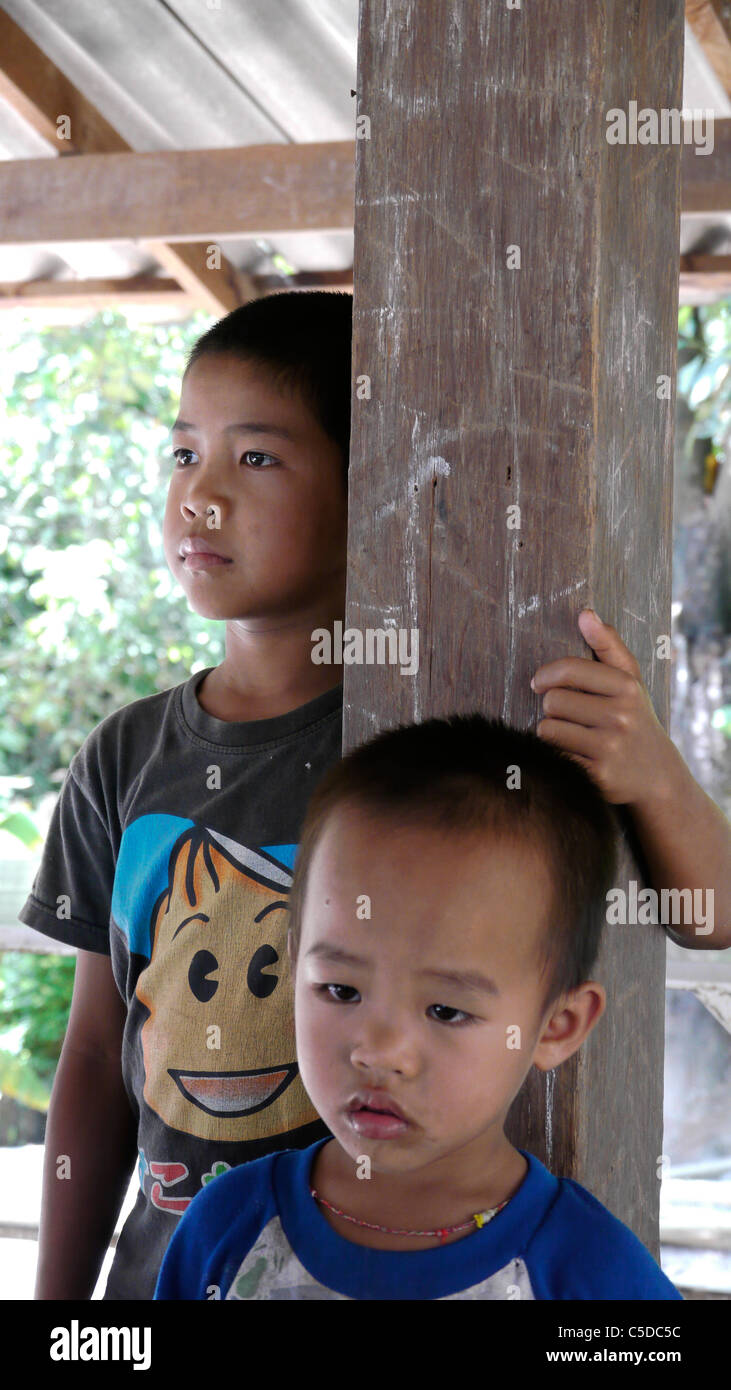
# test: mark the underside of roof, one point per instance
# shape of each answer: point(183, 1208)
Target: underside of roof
point(192, 75)
point(216, 74)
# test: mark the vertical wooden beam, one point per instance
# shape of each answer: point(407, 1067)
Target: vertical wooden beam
point(494, 386)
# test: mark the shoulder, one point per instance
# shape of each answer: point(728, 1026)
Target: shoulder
point(121, 735)
point(142, 712)
point(582, 1251)
point(212, 1208)
point(220, 1226)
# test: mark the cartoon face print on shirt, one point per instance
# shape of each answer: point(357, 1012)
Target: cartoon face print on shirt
point(219, 1043)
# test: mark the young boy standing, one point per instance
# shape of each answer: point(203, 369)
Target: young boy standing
point(169, 857)
point(444, 929)
point(170, 852)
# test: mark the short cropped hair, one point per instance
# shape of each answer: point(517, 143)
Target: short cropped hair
point(454, 775)
point(302, 339)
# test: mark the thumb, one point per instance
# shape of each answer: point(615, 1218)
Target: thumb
point(606, 643)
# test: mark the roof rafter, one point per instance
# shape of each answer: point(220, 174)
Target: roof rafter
point(142, 289)
point(32, 84)
point(710, 21)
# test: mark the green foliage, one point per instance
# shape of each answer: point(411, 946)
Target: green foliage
point(705, 379)
point(90, 617)
point(35, 996)
point(23, 828)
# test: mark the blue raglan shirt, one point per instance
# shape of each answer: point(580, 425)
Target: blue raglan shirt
point(257, 1233)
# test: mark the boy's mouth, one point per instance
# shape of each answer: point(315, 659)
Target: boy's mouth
point(194, 550)
point(202, 560)
point(375, 1115)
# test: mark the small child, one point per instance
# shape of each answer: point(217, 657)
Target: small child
point(443, 931)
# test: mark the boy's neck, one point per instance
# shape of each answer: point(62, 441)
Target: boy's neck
point(412, 1201)
point(227, 701)
point(268, 670)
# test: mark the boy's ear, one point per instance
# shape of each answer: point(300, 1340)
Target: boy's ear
point(571, 1020)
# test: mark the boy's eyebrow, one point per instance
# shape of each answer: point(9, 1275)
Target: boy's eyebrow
point(251, 426)
point(466, 979)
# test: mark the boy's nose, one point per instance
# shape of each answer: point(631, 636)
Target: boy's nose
point(384, 1045)
point(208, 485)
point(204, 502)
point(191, 509)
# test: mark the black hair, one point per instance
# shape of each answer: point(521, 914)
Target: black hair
point(459, 775)
point(302, 338)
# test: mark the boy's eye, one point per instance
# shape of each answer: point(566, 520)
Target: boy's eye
point(254, 454)
point(455, 1018)
point(183, 456)
point(461, 1018)
point(326, 990)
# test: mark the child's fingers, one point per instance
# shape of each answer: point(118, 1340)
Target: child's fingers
point(583, 674)
point(591, 751)
point(574, 738)
point(589, 766)
point(593, 711)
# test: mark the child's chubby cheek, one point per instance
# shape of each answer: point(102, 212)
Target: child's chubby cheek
point(450, 1080)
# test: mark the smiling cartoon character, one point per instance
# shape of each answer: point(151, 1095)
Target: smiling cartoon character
point(219, 1044)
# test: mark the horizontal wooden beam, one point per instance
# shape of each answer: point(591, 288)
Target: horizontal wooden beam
point(696, 261)
point(323, 280)
point(179, 195)
point(137, 289)
point(254, 190)
point(148, 289)
point(704, 278)
point(45, 98)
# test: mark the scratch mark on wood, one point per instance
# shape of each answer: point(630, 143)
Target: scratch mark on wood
point(471, 248)
point(436, 464)
point(534, 602)
point(397, 198)
point(551, 381)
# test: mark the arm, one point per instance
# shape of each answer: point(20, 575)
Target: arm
point(601, 713)
point(686, 840)
point(90, 1121)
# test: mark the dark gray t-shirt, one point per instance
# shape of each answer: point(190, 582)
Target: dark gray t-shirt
point(171, 849)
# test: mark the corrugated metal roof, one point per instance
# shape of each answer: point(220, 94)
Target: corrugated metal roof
point(193, 75)
point(197, 74)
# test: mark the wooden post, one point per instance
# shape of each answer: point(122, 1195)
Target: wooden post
point(515, 312)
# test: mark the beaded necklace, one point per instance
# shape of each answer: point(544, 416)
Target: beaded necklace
point(480, 1219)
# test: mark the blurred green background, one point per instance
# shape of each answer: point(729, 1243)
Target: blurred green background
point(90, 617)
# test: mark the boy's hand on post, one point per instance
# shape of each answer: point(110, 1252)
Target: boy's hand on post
point(601, 713)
